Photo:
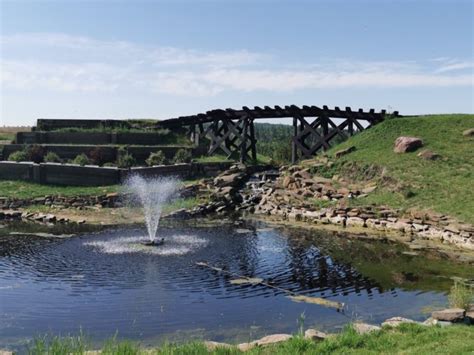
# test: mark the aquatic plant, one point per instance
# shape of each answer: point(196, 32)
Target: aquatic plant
point(461, 295)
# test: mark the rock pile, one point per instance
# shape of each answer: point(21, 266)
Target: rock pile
point(293, 193)
point(111, 200)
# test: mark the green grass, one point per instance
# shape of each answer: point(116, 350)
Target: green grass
point(23, 189)
point(406, 339)
point(443, 185)
point(261, 159)
point(217, 158)
point(7, 136)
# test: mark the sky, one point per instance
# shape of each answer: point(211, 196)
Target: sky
point(164, 59)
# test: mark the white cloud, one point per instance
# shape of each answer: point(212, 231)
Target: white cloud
point(67, 63)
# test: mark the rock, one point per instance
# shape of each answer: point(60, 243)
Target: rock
point(246, 346)
point(369, 189)
point(287, 181)
point(468, 132)
point(396, 321)
point(420, 227)
point(428, 155)
point(470, 316)
point(214, 345)
point(355, 222)
point(407, 144)
point(449, 315)
point(273, 339)
point(268, 340)
point(363, 328)
point(315, 335)
point(346, 151)
point(430, 321)
point(228, 180)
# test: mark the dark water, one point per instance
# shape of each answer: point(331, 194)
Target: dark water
point(105, 282)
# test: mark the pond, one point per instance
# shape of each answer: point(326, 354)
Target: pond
point(106, 283)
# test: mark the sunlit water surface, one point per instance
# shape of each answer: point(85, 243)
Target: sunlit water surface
point(108, 282)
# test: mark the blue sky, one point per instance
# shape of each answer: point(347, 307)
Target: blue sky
point(159, 59)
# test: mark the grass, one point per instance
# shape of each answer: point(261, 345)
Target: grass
point(23, 189)
point(443, 185)
point(461, 295)
point(261, 159)
point(406, 339)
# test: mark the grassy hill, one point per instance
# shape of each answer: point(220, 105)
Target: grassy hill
point(445, 185)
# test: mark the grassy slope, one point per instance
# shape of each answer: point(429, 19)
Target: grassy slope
point(445, 185)
point(407, 339)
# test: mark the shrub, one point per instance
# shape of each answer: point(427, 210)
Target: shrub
point(20, 155)
point(125, 159)
point(97, 156)
point(156, 158)
point(109, 164)
point(182, 156)
point(52, 157)
point(81, 160)
point(461, 295)
point(36, 153)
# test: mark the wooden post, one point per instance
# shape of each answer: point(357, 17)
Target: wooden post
point(294, 153)
point(252, 140)
point(243, 141)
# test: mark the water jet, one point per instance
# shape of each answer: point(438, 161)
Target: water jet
point(151, 194)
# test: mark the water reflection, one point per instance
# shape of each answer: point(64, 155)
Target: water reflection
point(102, 282)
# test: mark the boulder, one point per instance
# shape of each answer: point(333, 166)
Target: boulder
point(468, 132)
point(449, 315)
point(228, 180)
point(428, 155)
point(268, 340)
point(214, 345)
point(287, 181)
point(273, 339)
point(355, 222)
point(363, 328)
point(407, 144)
point(315, 335)
point(396, 321)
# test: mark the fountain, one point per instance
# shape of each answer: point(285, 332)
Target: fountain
point(152, 195)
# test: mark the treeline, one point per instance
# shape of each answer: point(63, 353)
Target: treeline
point(274, 141)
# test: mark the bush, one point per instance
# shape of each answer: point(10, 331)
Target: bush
point(109, 164)
point(81, 160)
point(156, 158)
point(36, 153)
point(97, 156)
point(20, 155)
point(52, 157)
point(125, 159)
point(182, 156)
point(461, 295)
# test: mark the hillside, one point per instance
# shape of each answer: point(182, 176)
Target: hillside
point(445, 185)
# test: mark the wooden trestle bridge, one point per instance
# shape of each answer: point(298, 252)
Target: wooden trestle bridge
point(233, 131)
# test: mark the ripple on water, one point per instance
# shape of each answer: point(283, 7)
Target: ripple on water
point(174, 245)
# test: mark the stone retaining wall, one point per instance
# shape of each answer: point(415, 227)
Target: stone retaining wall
point(96, 138)
point(110, 153)
point(89, 175)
